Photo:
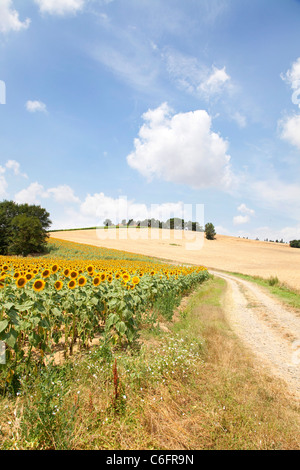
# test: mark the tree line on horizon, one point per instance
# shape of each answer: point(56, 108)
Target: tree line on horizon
point(174, 223)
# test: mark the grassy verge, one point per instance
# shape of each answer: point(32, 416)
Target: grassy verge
point(275, 287)
point(187, 385)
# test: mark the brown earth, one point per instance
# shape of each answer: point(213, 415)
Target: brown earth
point(252, 257)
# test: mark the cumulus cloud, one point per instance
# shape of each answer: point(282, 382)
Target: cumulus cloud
point(9, 165)
point(245, 217)
point(35, 192)
point(30, 195)
point(290, 125)
point(63, 194)
point(36, 106)
point(9, 18)
point(290, 130)
point(60, 7)
point(181, 148)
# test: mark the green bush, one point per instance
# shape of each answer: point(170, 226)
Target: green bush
point(23, 228)
point(210, 232)
point(295, 243)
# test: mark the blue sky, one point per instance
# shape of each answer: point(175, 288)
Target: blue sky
point(159, 104)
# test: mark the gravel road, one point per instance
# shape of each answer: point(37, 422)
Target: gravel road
point(271, 330)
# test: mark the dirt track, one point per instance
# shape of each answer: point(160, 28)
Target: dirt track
point(252, 257)
point(269, 329)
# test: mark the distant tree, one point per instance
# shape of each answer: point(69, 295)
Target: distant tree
point(107, 223)
point(295, 243)
point(210, 232)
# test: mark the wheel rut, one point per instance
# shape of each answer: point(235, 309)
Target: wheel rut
point(268, 328)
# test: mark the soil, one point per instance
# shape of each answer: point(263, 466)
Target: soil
point(268, 328)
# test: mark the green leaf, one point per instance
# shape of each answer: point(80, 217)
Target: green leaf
point(112, 320)
point(121, 328)
point(24, 306)
point(11, 338)
point(56, 312)
point(3, 325)
point(35, 321)
point(14, 316)
point(94, 300)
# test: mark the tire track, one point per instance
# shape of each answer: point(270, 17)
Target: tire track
point(269, 329)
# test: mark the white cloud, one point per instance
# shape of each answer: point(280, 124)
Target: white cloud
point(245, 210)
point(240, 119)
point(98, 207)
point(9, 18)
point(194, 77)
point(181, 148)
point(278, 195)
point(241, 219)
point(290, 130)
point(3, 182)
point(292, 77)
point(35, 192)
point(60, 7)
point(9, 165)
point(30, 195)
point(63, 194)
point(36, 106)
point(15, 166)
point(214, 82)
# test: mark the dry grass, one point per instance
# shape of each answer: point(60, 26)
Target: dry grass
point(257, 258)
point(192, 388)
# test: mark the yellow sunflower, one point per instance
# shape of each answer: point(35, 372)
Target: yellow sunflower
point(58, 285)
point(39, 285)
point(135, 280)
point(96, 281)
point(21, 281)
point(81, 281)
point(71, 284)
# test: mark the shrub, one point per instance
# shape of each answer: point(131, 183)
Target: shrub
point(210, 232)
point(295, 243)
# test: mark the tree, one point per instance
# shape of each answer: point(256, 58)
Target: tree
point(23, 228)
point(210, 232)
point(27, 236)
point(107, 223)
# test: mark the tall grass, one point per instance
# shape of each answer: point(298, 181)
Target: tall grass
point(193, 387)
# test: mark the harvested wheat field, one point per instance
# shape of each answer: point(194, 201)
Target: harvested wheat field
point(241, 255)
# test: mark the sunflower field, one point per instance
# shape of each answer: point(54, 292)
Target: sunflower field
point(52, 303)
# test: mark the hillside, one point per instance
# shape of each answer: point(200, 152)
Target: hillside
point(241, 255)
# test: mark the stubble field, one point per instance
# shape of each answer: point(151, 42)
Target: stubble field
point(253, 257)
